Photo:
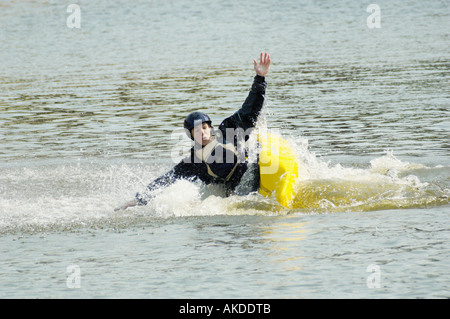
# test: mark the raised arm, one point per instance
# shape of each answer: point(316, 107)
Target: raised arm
point(246, 117)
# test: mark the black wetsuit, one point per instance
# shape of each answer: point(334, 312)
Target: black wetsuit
point(191, 168)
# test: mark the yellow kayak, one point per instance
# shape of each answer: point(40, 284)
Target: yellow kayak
point(278, 169)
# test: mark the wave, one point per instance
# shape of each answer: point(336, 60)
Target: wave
point(67, 196)
point(386, 183)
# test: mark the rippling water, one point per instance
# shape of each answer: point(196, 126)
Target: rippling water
point(87, 118)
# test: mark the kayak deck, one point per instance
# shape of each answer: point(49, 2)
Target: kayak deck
point(278, 169)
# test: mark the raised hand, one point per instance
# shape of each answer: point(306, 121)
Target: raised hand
point(262, 68)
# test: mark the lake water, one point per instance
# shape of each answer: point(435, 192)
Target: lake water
point(90, 115)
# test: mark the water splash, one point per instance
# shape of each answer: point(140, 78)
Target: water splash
point(387, 183)
point(67, 196)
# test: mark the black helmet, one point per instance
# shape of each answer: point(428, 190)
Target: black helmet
point(194, 119)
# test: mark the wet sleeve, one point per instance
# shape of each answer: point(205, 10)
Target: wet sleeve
point(183, 170)
point(247, 115)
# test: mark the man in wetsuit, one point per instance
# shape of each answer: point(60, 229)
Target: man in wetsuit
point(217, 156)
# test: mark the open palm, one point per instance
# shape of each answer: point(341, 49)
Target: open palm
point(262, 68)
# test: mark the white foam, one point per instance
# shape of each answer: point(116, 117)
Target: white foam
point(61, 194)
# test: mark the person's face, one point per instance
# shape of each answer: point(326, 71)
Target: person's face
point(202, 134)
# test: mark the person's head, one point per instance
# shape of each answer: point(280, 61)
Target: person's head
point(198, 127)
